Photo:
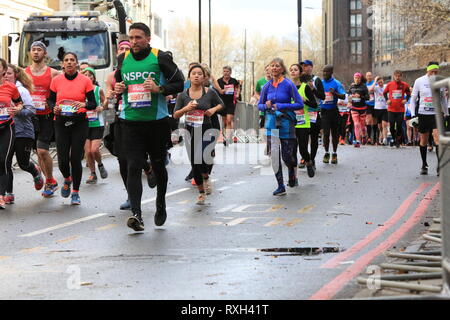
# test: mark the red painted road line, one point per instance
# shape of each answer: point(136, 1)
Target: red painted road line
point(399, 213)
point(334, 286)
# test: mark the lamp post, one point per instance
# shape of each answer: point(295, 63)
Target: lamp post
point(200, 31)
point(299, 22)
point(210, 44)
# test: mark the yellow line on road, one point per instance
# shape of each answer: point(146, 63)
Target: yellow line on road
point(275, 222)
point(31, 250)
point(67, 239)
point(293, 222)
point(306, 209)
point(107, 227)
point(275, 208)
point(4, 257)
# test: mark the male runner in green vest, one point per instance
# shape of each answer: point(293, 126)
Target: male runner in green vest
point(146, 76)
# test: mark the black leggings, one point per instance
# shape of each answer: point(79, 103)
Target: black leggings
point(22, 148)
point(139, 139)
point(303, 135)
point(396, 125)
point(70, 142)
point(7, 136)
point(286, 149)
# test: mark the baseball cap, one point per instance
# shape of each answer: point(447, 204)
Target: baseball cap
point(307, 62)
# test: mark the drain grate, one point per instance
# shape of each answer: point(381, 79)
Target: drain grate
point(303, 251)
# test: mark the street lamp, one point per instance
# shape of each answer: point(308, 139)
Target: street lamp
point(299, 22)
point(200, 31)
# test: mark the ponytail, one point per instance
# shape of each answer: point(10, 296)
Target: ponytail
point(23, 77)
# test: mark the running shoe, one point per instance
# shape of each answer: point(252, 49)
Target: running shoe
point(38, 180)
point(102, 170)
point(193, 182)
point(302, 164)
point(65, 190)
point(189, 176)
point(2, 203)
point(136, 223)
point(9, 198)
point(334, 159)
point(160, 215)
point(126, 205)
point(364, 141)
point(424, 171)
point(293, 183)
point(201, 199)
point(281, 191)
point(151, 179)
point(92, 179)
point(310, 169)
point(342, 142)
point(326, 158)
point(75, 201)
point(207, 186)
point(357, 144)
point(49, 189)
point(235, 140)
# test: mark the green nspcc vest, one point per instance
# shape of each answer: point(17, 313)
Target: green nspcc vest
point(96, 119)
point(139, 104)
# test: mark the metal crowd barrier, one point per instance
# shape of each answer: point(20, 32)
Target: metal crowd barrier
point(246, 123)
point(444, 156)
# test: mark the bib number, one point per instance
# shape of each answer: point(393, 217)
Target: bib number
point(356, 100)
point(300, 117)
point(313, 116)
point(329, 98)
point(372, 97)
point(397, 94)
point(92, 116)
point(229, 89)
point(195, 118)
point(428, 102)
point(39, 102)
point(4, 115)
point(138, 97)
point(343, 108)
point(67, 109)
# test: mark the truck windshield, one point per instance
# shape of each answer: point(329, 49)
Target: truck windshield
point(91, 47)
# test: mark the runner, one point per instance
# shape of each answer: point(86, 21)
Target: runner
point(72, 95)
point(411, 131)
point(8, 93)
point(276, 99)
point(371, 124)
point(42, 76)
point(228, 89)
point(329, 113)
point(358, 95)
point(124, 46)
point(319, 92)
point(146, 77)
point(380, 110)
point(306, 128)
point(427, 113)
point(199, 104)
point(344, 120)
point(395, 93)
point(24, 130)
point(96, 130)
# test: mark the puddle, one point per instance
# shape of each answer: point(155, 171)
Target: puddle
point(303, 251)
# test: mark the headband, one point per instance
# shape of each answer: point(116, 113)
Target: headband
point(125, 42)
point(39, 44)
point(432, 67)
point(90, 70)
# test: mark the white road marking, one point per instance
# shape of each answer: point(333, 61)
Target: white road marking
point(227, 208)
point(236, 222)
point(223, 188)
point(239, 183)
point(167, 195)
point(63, 225)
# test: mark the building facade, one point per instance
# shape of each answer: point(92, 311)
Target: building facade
point(347, 37)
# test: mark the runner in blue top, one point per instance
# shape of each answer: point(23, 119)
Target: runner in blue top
point(371, 124)
point(330, 113)
point(279, 98)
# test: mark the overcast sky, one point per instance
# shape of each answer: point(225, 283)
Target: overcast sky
point(274, 17)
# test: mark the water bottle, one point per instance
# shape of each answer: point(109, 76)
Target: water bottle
point(112, 103)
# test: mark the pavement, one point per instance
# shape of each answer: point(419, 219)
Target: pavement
point(243, 244)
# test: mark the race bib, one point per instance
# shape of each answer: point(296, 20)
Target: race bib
point(428, 104)
point(120, 107)
point(229, 89)
point(300, 117)
point(92, 115)
point(313, 116)
point(39, 101)
point(4, 108)
point(372, 97)
point(329, 98)
point(67, 109)
point(195, 118)
point(138, 97)
point(356, 100)
point(343, 108)
point(397, 94)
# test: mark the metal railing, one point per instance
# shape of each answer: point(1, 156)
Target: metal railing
point(246, 123)
point(444, 159)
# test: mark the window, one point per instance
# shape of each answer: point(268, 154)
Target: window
point(356, 52)
point(355, 5)
point(355, 25)
point(158, 26)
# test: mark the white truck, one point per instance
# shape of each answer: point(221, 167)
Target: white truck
point(92, 35)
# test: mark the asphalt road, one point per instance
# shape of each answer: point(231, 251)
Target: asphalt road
point(244, 244)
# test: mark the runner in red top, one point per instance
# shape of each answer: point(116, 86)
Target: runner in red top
point(396, 93)
point(10, 105)
point(42, 77)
